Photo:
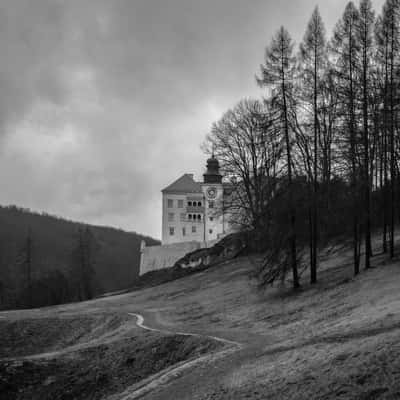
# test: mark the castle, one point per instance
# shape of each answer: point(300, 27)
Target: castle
point(194, 211)
point(193, 217)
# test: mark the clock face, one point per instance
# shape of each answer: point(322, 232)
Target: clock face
point(211, 192)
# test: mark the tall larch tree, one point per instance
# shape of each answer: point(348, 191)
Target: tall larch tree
point(345, 47)
point(382, 35)
point(277, 73)
point(392, 19)
point(313, 63)
point(365, 30)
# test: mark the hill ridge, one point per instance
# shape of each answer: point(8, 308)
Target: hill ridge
point(115, 257)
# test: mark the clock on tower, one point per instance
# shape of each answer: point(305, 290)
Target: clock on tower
point(211, 192)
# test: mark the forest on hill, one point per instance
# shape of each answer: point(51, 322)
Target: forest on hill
point(47, 260)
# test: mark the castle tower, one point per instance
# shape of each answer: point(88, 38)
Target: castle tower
point(213, 195)
point(212, 174)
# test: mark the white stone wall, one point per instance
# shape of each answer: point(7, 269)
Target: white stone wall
point(159, 257)
point(153, 258)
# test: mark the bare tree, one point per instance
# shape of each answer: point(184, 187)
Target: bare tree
point(247, 144)
point(346, 49)
point(25, 261)
point(382, 39)
point(83, 259)
point(277, 74)
point(313, 64)
point(365, 37)
point(392, 19)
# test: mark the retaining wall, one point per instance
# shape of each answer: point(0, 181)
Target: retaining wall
point(188, 254)
point(158, 257)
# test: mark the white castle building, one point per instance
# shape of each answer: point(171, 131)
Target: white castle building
point(194, 211)
point(193, 217)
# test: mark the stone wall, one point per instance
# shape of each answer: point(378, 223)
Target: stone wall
point(165, 256)
point(189, 254)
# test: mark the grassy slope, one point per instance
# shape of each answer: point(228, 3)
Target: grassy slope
point(339, 339)
point(90, 357)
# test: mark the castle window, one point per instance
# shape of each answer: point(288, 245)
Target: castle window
point(189, 203)
point(171, 217)
point(199, 204)
point(180, 203)
point(210, 231)
point(211, 219)
point(210, 204)
point(199, 217)
point(183, 231)
point(190, 216)
point(193, 229)
point(171, 231)
point(170, 203)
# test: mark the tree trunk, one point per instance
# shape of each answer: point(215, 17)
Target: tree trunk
point(313, 276)
point(354, 188)
point(366, 180)
point(392, 147)
point(293, 250)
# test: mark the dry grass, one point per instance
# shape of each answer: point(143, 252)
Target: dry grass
point(337, 339)
point(94, 369)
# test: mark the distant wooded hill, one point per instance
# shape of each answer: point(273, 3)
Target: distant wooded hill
point(45, 259)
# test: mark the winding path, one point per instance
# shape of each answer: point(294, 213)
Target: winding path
point(168, 374)
point(140, 323)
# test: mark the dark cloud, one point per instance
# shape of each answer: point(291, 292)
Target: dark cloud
point(103, 102)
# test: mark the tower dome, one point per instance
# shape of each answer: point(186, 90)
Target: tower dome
point(212, 174)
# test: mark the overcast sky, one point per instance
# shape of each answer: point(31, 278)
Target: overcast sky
point(105, 102)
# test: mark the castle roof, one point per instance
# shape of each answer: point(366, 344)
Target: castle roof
point(185, 184)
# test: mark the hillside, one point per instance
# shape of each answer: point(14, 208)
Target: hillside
point(116, 255)
point(335, 340)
